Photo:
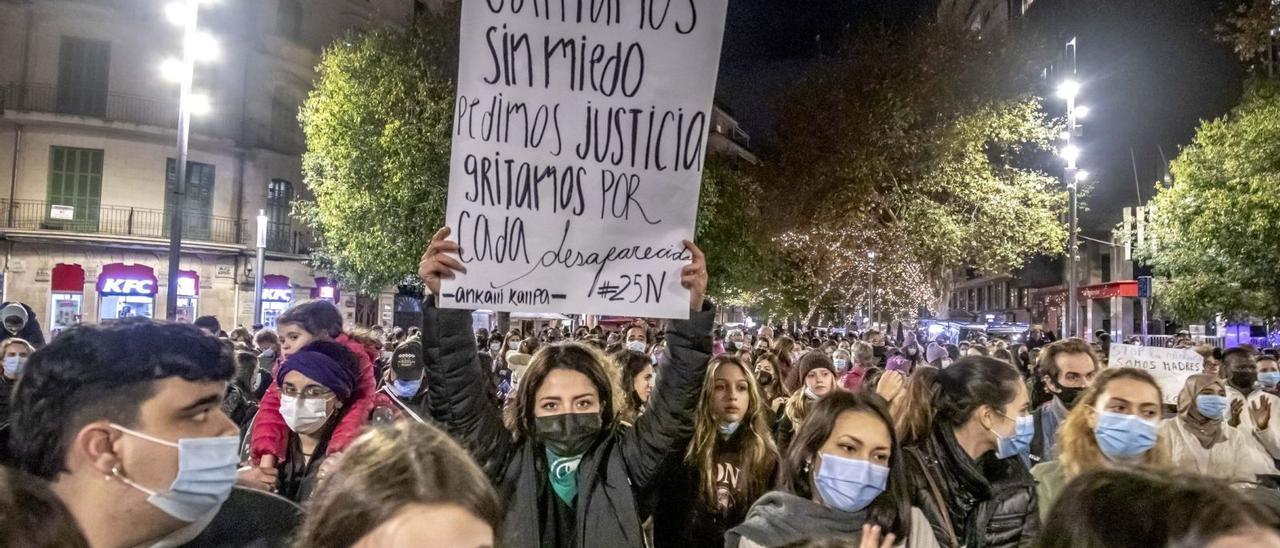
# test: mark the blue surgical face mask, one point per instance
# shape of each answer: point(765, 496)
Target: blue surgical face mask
point(1124, 436)
point(1020, 442)
point(13, 365)
point(728, 428)
point(849, 485)
point(637, 346)
point(406, 389)
point(1269, 379)
point(842, 364)
point(206, 475)
point(1211, 406)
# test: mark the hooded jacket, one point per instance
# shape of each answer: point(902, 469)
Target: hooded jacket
point(991, 503)
point(30, 331)
point(613, 476)
point(270, 433)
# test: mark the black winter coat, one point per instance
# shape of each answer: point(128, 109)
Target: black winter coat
point(618, 471)
point(991, 503)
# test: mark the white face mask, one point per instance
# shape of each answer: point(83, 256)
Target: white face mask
point(304, 416)
point(206, 475)
point(637, 346)
point(13, 365)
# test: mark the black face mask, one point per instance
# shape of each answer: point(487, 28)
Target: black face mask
point(1244, 380)
point(567, 434)
point(1069, 396)
point(765, 378)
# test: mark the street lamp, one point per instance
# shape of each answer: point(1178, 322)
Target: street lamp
point(258, 266)
point(196, 46)
point(1069, 90)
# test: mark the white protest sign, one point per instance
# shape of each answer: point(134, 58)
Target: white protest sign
point(1169, 366)
point(580, 133)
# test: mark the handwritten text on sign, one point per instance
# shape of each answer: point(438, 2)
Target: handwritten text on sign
point(580, 133)
point(1169, 366)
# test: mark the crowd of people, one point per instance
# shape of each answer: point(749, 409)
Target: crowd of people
point(318, 434)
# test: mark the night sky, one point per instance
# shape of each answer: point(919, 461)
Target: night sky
point(1151, 70)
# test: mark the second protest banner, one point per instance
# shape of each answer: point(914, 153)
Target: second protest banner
point(1169, 366)
point(579, 138)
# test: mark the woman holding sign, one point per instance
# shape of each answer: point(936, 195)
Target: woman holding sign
point(1201, 440)
point(569, 474)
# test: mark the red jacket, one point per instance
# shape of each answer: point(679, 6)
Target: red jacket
point(271, 434)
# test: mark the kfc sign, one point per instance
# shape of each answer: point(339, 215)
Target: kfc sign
point(277, 295)
point(121, 286)
point(127, 279)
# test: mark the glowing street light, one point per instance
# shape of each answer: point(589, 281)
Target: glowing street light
point(196, 46)
point(1082, 176)
point(200, 104)
point(1082, 111)
point(1071, 154)
point(173, 70)
point(1069, 89)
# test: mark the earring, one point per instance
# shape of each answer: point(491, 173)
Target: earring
point(808, 463)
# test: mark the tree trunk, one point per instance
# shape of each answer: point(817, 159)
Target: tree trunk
point(942, 299)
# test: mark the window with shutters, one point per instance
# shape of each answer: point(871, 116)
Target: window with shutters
point(75, 181)
point(197, 210)
point(279, 227)
point(82, 76)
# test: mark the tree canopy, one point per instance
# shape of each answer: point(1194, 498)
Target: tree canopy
point(378, 127)
point(922, 150)
point(1215, 229)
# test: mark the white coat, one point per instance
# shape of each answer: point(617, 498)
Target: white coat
point(1239, 458)
point(1269, 438)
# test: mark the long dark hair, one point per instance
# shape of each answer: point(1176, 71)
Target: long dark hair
point(892, 509)
point(633, 363)
point(950, 397)
point(570, 356)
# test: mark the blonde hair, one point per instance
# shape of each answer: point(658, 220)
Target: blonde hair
point(1078, 448)
point(797, 408)
point(4, 346)
point(759, 453)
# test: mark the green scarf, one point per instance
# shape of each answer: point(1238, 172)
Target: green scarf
point(563, 474)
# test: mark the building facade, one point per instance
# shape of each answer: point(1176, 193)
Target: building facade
point(88, 148)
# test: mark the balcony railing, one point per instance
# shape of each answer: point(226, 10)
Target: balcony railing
point(294, 242)
point(119, 221)
point(118, 107)
point(147, 223)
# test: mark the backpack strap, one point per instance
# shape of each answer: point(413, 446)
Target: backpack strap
point(1037, 442)
point(938, 500)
